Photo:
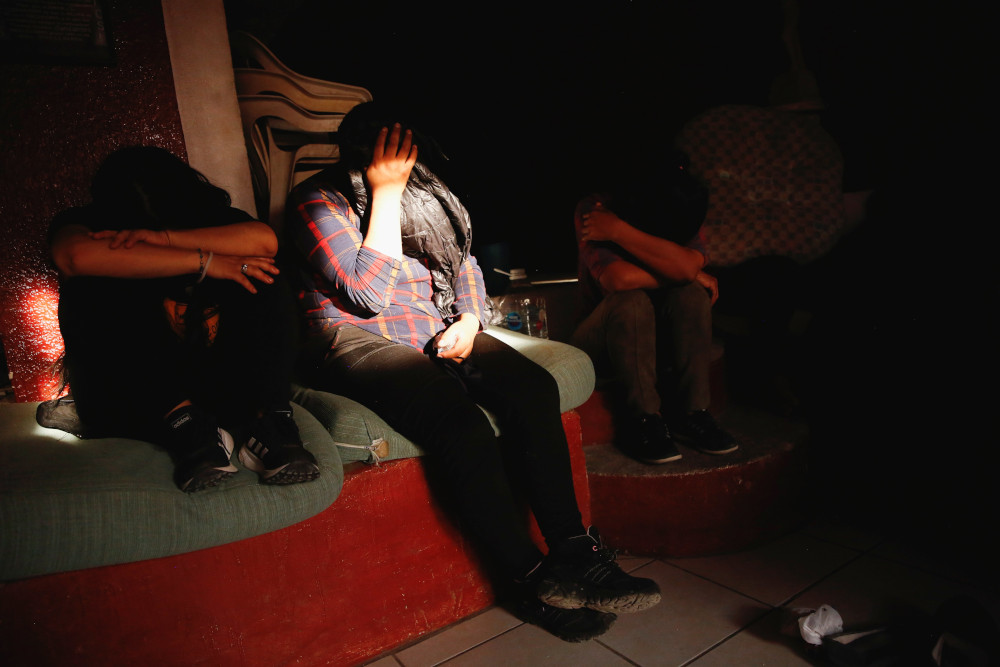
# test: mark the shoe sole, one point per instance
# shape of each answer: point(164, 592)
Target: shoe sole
point(570, 596)
point(209, 477)
point(668, 459)
point(692, 442)
point(568, 634)
point(295, 472)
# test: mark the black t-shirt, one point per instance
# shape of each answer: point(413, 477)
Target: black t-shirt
point(113, 327)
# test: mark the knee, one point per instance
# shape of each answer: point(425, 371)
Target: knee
point(630, 306)
point(544, 391)
point(691, 298)
point(526, 391)
point(463, 432)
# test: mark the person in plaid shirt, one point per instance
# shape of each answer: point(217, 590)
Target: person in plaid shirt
point(377, 333)
point(348, 281)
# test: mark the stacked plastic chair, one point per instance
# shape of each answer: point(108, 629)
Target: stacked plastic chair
point(289, 122)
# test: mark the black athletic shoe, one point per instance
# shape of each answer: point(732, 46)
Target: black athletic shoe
point(700, 430)
point(649, 441)
point(200, 449)
point(582, 572)
point(274, 451)
point(571, 625)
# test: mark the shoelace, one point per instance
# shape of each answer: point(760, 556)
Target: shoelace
point(703, 422)
point(606, 566)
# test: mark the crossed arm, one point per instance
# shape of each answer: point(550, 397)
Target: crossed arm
point(142, 253)
point(660, 262)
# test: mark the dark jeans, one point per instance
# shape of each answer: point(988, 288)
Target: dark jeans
point(657, 344)
point(127, 374)
point(437, 408)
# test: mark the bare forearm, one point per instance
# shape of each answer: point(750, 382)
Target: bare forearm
point(242, 238)
point(624, 276)
point(79, 255)
point(383, 225)
point(667, 260)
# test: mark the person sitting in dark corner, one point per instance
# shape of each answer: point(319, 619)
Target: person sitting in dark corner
point(178, 329)
point(646, 309)
point(395, 307)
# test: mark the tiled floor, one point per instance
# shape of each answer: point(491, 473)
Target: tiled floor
point(733, 610)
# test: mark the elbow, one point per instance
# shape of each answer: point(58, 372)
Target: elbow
point(369, 302)
point(266, 241)
point(690, 274)
point(270, 248)
point(688, 271)
point(69, 259)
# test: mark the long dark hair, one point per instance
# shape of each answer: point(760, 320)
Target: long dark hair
point(357, 132)
point(147, 186)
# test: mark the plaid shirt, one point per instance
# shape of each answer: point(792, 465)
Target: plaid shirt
point(351, 283)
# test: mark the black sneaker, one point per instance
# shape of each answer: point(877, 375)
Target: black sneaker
point(700, 430)
point(649, 441)
point(571, 625)
point(200, 449)
point(274, 451)
point(582, 572)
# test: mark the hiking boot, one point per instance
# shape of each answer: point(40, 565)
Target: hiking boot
point(582, 572)
point(200, 449)
point(700, 430)
point(274, 450)
point(649, 441)
point(571, 625)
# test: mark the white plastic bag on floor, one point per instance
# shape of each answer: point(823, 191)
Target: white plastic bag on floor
point(814, 625)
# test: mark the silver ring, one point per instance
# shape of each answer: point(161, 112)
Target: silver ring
point(243, 269)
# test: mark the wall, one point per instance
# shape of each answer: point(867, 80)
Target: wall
point(58, 122)
point(206, 95)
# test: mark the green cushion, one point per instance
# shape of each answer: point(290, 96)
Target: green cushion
point(570, 366)
point(354, 427)
point(67, 503)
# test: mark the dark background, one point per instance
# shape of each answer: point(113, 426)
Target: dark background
point(539, 103)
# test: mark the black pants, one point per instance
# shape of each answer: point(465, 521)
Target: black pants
point(127, 373)
point(436, 407)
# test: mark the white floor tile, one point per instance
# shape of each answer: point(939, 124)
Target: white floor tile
point(529, 646)
point(839, 531)
point(717, 611)
point(774, 572)
point(874, 590)
point(761, 644)
point(693, 616)
point(458, 638)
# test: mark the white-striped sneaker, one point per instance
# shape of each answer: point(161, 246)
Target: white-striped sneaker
point(274, 451)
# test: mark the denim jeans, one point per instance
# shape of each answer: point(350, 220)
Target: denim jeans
point(657, 344)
